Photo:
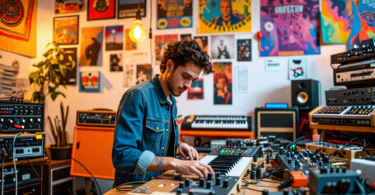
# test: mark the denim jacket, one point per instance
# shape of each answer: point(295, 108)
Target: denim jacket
point(141, 132)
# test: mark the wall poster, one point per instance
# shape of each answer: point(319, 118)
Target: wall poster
point(174, 14)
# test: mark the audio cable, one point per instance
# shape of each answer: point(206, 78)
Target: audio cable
point(44, 192)
point(96, 182)
point(14, 163)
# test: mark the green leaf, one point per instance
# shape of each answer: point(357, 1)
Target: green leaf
point(63, 69)
point(48, 44)
point(55, 94)
point(49, 52)
point(51, 89)
point(73, 64)
point(61, 57)
point(70, 58)
point(64, 86)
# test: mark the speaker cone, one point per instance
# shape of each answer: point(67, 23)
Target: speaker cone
point(302, 97)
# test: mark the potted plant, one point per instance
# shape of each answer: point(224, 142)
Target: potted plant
point(47, 80)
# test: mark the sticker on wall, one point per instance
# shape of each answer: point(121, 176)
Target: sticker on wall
point(274, 64)
point(244, 50)
point(347, 21)
point(89, 81)
point(129, 77)
point(129, 44)
point(242, 79)
point(71, 73)
point(101, 9)
point(195, 92)
point(91, 46)
point(202, 42)
point(222, 47)
point(115, 62)
point(69, 6)
point(128, 8)
point(114, 38)
point(224, 16)
point(174, 14)
point(144, 72)
point(290, 28)
point(65, 30)
point(223, 93)
point(297, 68)
point(161, 42)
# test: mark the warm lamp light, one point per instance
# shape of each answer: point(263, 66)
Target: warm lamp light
point(137, 32)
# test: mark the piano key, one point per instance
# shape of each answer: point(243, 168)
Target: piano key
point(238, 169)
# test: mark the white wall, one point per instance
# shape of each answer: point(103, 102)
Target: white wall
point(264, 86)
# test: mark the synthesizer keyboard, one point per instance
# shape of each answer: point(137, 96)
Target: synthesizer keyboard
point(346, 115)
point(217, 123)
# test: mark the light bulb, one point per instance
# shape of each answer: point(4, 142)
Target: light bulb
point(137, 32)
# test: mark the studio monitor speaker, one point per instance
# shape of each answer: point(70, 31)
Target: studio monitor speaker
point(305, 94)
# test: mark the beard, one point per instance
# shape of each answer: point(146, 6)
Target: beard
point(171, 86)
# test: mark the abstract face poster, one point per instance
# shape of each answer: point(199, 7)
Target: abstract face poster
point(71, 73)
point(128, 8)
point(222, 46)
point(195, 92)
point(183, 36)
point(174, 14)
point(89, 81)
point(144, 72)
point(101, 9)
point(91, 46)
point(129, 44)
point(68, 6)
point(223, 90)
point(114, 38)
point(161, 42)
point(65, 30)
point(244, 50)
point(202, 42)
point(224, 16)
point(129, 71)
point(290, 28)
point(115, 62)
point(297, 68)
point(347, 21)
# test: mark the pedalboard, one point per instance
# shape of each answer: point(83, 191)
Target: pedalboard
point(346, 115)
point(351, 97)
point(21, 117)
point(25, 146)
point(99, 118)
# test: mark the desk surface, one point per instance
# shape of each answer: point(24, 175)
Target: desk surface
point(269, 184)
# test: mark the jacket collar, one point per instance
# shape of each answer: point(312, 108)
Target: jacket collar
point(160, 92)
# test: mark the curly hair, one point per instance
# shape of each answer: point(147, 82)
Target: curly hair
point(180, 52)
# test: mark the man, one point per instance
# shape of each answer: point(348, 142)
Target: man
point(227, 18)
point(146, 133)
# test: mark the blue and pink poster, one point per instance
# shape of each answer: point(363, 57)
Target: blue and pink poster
point(290, 27)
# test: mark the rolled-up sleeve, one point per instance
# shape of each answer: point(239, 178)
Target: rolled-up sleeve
point(126, 158)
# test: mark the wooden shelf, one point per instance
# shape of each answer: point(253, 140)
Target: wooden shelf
point(342, 128)
point(213, 133)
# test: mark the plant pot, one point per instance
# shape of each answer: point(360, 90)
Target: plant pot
point(62, 153)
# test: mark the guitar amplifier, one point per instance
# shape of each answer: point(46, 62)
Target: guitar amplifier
point(97, 118)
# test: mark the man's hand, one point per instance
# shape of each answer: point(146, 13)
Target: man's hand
point(192, 152)
point(193, 167)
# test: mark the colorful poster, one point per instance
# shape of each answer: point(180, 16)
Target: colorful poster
point(224, 16)
point(144, 72)
point(290, 28)
point(91, 46)
point(114, 38)
point(195, 92)
point(297, 68)
point(101, 9)
point(348, 21)
point(68, 6)
point(18, 26)
point(244, 50)
point(65, 30)
point(128, 8)
point(71, 73)
point(223, 92)
point(129, 44)
point(115, 62)
point(129, 80)
point(174, 14)
point(183, 36)
point(222, 46)
point(89, 81)
point(161, 42)
point(202, 42)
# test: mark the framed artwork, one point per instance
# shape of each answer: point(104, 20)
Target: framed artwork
point(222, 46)
point(114, 38)
point(71, 73)
point(66, 30)
point(202, 42)
point(101, 9)
point(223, 93)
point(89, 81)
point(195, 92)
point(174, 14)
point(161, 42)
point(91, 46)
point(69, 6)
point(144, 72)
point(129, 44)
point(244, 50)
point(115, 62)
point(128, 8)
